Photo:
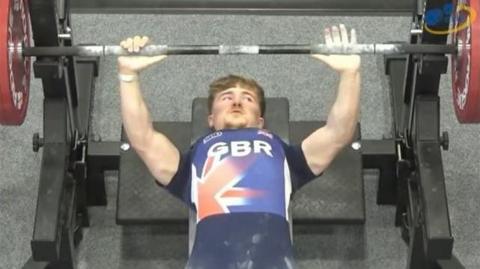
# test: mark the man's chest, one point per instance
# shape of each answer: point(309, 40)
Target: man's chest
point(240, 173)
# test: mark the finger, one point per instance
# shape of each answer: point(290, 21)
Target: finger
point(328, 37)
point(136, 43)
point(336, 35)
point(343, 34)
point(123, 44)
point(143, 41)
point(353, 36)
point(129, 44)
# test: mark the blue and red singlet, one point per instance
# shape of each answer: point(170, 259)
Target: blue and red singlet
point(239, 183)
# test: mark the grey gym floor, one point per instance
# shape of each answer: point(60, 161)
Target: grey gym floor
point(169, 88)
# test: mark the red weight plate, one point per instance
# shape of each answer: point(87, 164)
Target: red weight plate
point(466, 64)
point(14, 69)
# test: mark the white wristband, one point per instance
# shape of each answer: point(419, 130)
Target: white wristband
point(127, 78)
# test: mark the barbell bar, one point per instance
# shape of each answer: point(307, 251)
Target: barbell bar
point(151, 50)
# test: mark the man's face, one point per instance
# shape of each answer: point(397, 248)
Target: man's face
point(235, 108)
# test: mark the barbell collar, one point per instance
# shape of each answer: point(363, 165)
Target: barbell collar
point(150, 50)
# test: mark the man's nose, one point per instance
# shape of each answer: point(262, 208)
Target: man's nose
point(237, 100)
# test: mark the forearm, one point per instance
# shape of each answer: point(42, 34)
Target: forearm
point(135, 115)
point(343, 116)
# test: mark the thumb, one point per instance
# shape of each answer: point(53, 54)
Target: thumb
point(150, 60)
point(321, 57)
point(156, 59)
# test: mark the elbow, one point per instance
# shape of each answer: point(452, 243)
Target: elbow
point(164, 172)
point(163, 176)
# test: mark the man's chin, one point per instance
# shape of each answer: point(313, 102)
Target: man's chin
point(235, 125)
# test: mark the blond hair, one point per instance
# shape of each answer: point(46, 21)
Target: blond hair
point(231, 81)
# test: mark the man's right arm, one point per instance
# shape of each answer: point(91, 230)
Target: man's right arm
point(155, 149)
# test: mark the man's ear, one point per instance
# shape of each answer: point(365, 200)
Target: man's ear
point(261, 122)
point(210, 121)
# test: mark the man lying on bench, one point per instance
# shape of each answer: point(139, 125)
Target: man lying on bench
point(239, 178)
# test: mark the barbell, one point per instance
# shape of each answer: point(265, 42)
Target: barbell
point(16, 50)
point(152, 50)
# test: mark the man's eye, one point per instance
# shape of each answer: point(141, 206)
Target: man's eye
point(226, 97)
point(249, 98)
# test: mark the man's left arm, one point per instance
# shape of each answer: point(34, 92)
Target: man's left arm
point(323, 145)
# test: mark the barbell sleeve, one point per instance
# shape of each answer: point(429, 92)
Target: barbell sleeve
point(150, 50)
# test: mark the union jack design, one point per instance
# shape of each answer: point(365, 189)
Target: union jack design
point(215, 191)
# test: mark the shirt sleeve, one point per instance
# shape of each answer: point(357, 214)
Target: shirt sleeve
point(300, 172)
point(179, 186)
